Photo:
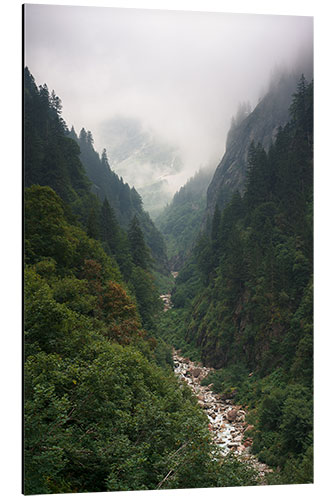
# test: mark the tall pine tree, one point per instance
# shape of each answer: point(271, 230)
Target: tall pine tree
point(139, 250)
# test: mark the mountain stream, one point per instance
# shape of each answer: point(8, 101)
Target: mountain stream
point(227, 422)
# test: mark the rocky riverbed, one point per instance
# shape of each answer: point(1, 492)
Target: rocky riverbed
point(227, 422)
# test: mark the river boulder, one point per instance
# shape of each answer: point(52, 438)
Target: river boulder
point(195, 372)
point(232, 415)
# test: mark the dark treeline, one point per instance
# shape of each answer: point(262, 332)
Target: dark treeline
point(102, 408)
point(125, 201)
point(243, 301)
point(53, 159)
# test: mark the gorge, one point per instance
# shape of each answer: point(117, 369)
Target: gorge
point(111, 333)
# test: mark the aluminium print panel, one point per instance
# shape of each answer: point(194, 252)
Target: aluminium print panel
point(168, 277)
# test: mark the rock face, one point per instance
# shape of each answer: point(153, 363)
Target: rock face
point(195, 372)
point(259, 126)
point(231, 415)
point(226, 420)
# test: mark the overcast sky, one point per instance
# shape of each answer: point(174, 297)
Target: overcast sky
point(181, 73)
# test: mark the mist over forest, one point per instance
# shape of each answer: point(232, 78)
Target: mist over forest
point(168, 250)
point(180, 76)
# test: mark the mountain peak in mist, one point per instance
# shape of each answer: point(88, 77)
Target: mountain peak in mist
point(143, 159)
point(261, 125)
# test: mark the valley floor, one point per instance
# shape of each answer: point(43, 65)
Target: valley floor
point(227, 422)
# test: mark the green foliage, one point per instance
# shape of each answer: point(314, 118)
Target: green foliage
point(284, 435)
point(124, 202)
point(171, 329)
point(52, 160)
point(103, 411)
point(149, 303)
point(139, 251)
point(49, 235)
point(188, 284)
point(251, 310)
point(163, 283)
point(100, 416)
point(295, 471)
point(296, 423)
point(227, 381)
point(181, 220)
point(271, 410)
point(110, 228)
point(163, 354)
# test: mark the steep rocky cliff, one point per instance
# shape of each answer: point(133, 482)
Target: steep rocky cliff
point(259, 126)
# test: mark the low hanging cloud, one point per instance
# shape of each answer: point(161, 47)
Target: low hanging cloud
point(182, 74)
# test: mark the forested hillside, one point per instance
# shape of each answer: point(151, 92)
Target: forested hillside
point(47, 162)
point(102, 409)
point(180, 222)
point(138, 153)
point(125, 201)
point(53, 159)
point(168, 252)
point(243, 301)
point(260, 125)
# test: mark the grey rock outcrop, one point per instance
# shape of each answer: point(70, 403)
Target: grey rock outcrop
point(259, 126)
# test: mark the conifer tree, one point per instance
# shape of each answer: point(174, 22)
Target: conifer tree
point(55, 102)
point(93, 224)
point(139, 251)
point(109, 227)
point(104, 158)
point(216, 227)
point(83, 138)
point(90, 139)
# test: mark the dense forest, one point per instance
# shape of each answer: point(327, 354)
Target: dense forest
point(181, 220)
point(260, 125)
point(125, 201)
point(103, 410)
point(243, 301)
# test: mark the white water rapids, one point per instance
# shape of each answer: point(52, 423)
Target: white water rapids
point(227, 422)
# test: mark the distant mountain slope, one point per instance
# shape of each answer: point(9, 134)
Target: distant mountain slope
point(102, 409)
point(181, 220)
point(261, 125)
point(142, 159)
point(125, 201)
point(52, 161)
point(74, 170)
point(246, 292)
